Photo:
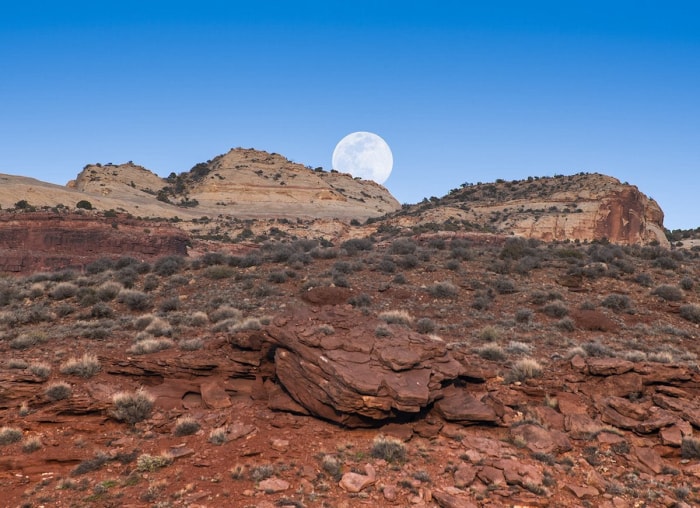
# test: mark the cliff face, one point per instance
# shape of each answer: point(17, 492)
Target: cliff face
point(49, 241)
point(582, 207)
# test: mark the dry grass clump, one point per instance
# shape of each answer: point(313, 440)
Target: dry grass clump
point(109, 291)
point(556, 310)
point(425, 325)
point(388, 448)
point(32, 444)
point(197, 318)
point(396, 317)
point(58, 391)
point(185, 426)
point(9, 435)
point(217, 436)
point(150, 463)
point(40, 369)
point(519, 348)
point(27, 340)
point(151, 345)
point(524, 369)
point(332, 465)
point(63, 291)
point(132, 407)
point(617, 302)
point(190, 344)
point(17, 363)
point(491, 351)
point(225, 312)
point(86, 366)
point(249, 323)
point(690, 448)
point(159, 328)
point(218, 272)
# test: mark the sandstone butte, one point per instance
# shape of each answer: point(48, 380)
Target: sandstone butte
point(247, 193)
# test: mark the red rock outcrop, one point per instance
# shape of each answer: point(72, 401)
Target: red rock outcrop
point(36, 241)
point(584, 207)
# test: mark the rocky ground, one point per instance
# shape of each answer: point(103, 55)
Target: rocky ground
point(438, 370)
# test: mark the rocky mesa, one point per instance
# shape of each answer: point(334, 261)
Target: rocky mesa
point(583, 207)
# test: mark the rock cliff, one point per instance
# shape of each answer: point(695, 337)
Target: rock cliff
point(582, 207)
point(49, 241)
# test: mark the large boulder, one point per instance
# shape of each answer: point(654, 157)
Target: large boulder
point(351, 376)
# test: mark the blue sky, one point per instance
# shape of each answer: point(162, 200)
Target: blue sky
point(461, 91)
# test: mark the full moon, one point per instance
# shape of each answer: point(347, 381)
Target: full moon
point(364, 155)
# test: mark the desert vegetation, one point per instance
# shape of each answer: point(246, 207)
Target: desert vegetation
point(513, 311)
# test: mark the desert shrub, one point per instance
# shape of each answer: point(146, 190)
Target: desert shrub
point(90, 465)
point(402, 246)
point(398, 317)
point(58, 391)
point(169, 265)
point(218, 272)
point(687, 283)
point(151, 282)
point(425, 325)
point(443, 289)
point(217, 436)
point(616, 302)
point(99, 266)
point(63, 290)
point(665, 262)
point(152, 345)
point(17, 363)
point(159, 328)
point(277, 277)
point(388, 448)
point(566, 324)
point(135, 300)
point(185, 426)
point(324, 253)
point(523, 315)
point(355, 245)
point(31, 444)
point(141, 322)
point(528, 263)
point(169, 304)
point(690, 312)
point(555, 310)
point(407, 261)
point(524, 369)
point(489, 334)
point(453, 265)
point(101, 310)
point(342, 267)
point(251, 259)
point(190, 344)
point(461, 253)
point(340, 280)
point(491, 351)
point(197, 318)
point(597, 349)
point(132, 407)
point(9, 435)
point(382, 331)
point(690, 448)
point(644, 279)
point(40, 369)
point(541, 297)
point(660, 357)
point(386, 265)
point(27, 340)
point(668, 292)
point(150, 463)
point(504, 286)
point(127, 277)
point(482, 300)
point(361, 300)
point(263, 291)
point(214, 258)
point(634, 356)
point(224, 312)
point(332, 465)
point(515, 248)
point(249, 323)
point(108, 291)
point(86, 366)
point(518, 348)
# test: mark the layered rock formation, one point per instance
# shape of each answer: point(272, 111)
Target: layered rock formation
point(49, 241)
point(582, 207)
point(246, 184)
